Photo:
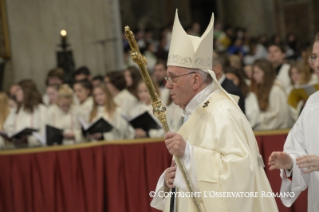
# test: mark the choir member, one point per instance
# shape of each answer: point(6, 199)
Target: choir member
point(97, 80)
point(54, 77)
point(105, 107)
point(64, 115)
point(145, 105)
point(271, 96)
point(132, 77)
point(251, 102)
point(82, 73)
point(276, 55)
point(116, 84)
point(30, 112)
point(83, 90)
point(52, 94)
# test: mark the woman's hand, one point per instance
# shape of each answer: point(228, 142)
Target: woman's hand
point(96, 136)
point(140, 133)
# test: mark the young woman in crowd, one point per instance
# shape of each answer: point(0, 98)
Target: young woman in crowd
point(83, 90)
point(300, 77)
point(116, 84)
point(97, 80)
point(4, 113)
point(144, 105)
point(52, 94)
point(271, 96)
point(30, 112)
point(54, 77)
point(251, 102)
point(64, 115)
point(105, 107)
point(132, 77)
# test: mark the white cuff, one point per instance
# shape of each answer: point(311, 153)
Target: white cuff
point(179, 181)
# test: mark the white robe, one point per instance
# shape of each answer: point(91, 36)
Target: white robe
point(126, 101)
point(220, 156)
point(303, 139)
point(164, 95)
point(283, 77)
point(121, 129)
point(173, 114)
point(277, 114)
point(66, 121)
point(252, 110)
point(23, 119)
point(140, 108)
point(85, 108)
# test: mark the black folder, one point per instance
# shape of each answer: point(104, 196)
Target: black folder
point(144, 121)
point(53, 135)
point(99, 126)
point(18, 134)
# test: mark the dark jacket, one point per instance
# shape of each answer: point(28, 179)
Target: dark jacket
point(231, 88)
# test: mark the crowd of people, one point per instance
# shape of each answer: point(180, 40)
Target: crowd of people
point(265, 73)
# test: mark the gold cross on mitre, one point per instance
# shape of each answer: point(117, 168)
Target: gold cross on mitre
point(206, 104)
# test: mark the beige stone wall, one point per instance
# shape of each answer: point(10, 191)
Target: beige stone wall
point(257, 16)
point(34, 28)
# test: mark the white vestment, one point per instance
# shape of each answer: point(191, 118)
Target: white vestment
point(252, 110)
point(173, 114)
point(283, 77)
point(277, 114)
point(126, 101)
point(303, 139)
point(67, 121)
point(85, 108)
point(121, 129)
point(220, 156)
point(139, 109)
point(23, 119)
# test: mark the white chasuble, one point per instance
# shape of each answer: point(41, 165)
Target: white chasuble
point(223, 158)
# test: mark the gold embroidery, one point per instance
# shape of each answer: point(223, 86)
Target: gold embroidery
point(206, 104)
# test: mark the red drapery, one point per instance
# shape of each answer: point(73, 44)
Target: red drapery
point(99, 177)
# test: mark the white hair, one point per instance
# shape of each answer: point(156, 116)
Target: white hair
point(207, 79)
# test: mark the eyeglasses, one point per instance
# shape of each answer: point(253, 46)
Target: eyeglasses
point(313, 58)
point(170, 79)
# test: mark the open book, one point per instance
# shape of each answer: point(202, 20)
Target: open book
point(301, 93)
point(18, 134)
point(98, 126)
point(144, 121)
point(52, 135)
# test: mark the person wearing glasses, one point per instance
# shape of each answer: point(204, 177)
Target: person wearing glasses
point(213, 137)
point(299, 162)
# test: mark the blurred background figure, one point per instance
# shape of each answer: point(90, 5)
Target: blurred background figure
point(271, 96)
point(64, 115)
point(105, 107)
point(82, 73)
point(30, 113)
point(116, 84)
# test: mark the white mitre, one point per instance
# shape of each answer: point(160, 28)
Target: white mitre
point(194, 52)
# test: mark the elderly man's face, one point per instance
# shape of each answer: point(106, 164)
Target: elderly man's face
point(181, 91)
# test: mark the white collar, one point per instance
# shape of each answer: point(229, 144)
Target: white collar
point(197, 100)
point(221, 79)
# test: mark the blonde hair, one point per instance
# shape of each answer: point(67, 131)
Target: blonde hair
point(109, 105)
point(65, 92)
point(4, 108)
